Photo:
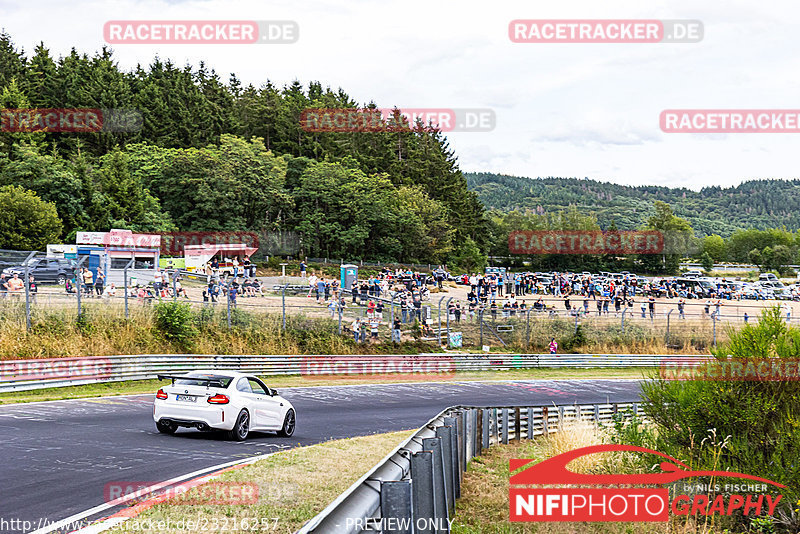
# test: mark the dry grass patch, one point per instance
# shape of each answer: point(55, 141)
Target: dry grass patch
point(293, 487)
point(483, 507)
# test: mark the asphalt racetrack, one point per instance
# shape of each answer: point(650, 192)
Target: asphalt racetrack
point(58, 456)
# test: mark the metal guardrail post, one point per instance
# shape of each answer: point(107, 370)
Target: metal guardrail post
point(666, 337)
point(422, 496)
point(496, 426)
point(517, 424)
point(125, 283)
point(480, 318)
point(528, 330)
point(596, 415)
point(27, 281)
point(504, 431)
point(465, 430)
point(478, 432)
point(339, 305)
point(439, 316)
point(228, 294)
point(714, 319)
point(623, 319)
point(444, 434)
point(283, 307)
point(452, 423)
point(576, 321)
point(485, 435)
point(545, 422)
point(440, 498)
point(560, 418)
point(447, 306)
point(175, 274)
point(79, 282)
point(396, 503)
point(530, 423)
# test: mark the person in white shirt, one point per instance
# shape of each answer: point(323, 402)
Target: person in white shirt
point(312, 284)
point(110, 291)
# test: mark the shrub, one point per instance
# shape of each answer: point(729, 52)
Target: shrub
point(760, 420)
point(175, 322)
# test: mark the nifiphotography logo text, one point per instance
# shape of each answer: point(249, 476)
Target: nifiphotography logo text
point(630, 497)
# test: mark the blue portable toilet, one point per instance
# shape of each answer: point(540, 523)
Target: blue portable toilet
point(348, 274)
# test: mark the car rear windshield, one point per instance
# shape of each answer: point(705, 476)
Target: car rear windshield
point(202, 380)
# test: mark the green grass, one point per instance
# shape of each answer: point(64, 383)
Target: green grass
point(293, 486)
point(150, 386)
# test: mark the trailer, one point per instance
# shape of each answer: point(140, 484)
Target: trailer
point(199, 257)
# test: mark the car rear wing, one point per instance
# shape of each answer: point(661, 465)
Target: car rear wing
point(209, 382)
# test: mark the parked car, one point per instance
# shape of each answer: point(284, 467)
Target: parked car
point(53, 270)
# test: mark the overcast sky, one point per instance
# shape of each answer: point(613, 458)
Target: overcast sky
point(573, 110)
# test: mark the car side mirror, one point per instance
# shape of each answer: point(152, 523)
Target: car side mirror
point(273, 392)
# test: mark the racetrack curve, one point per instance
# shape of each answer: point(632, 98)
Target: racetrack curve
point(58, 456)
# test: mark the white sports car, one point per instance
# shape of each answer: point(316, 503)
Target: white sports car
point(221, 400)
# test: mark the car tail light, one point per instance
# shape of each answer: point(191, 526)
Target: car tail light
point(161, 395)
point(219, 398)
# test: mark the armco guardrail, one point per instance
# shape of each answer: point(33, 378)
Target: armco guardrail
point(416, 486)
point(23, 375)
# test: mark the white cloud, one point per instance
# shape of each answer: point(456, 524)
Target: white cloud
point(562, 110)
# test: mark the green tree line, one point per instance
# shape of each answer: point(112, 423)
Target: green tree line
point(219, 155)
point(760, 204)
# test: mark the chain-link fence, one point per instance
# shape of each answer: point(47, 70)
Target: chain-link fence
point(43, 286)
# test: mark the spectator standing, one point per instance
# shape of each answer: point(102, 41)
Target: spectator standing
point(396, 332)
point(312, 284)
point(15, 285)
point(3, 286)
point(232, 291)
point(99, 283)
point(553, 346)
point(374, 323)
point(32, 287)
point(247, 267)
point(158, 280)
point(88, 278)
point(303, 269)
point(356, 328)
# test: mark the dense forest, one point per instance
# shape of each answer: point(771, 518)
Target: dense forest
point(214, 154)
point(760, 204)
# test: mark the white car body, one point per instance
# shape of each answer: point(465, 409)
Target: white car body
point(217, 400)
